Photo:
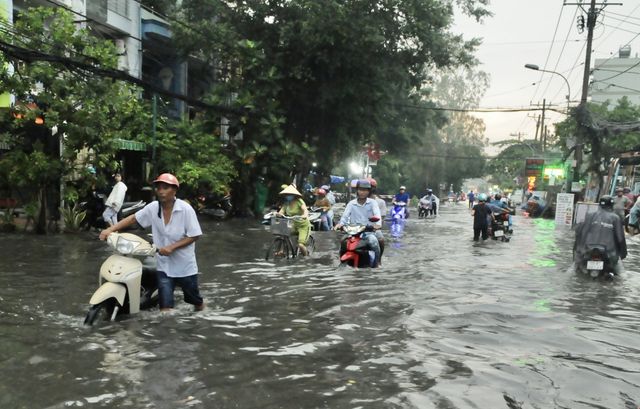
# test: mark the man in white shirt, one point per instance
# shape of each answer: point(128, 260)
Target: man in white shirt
point(175, 229)
point(114, 201)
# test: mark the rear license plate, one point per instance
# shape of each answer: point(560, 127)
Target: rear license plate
point(595, 265)
point(499, 233)
point(506, 223)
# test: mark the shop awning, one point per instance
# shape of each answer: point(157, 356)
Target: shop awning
point(126, 145)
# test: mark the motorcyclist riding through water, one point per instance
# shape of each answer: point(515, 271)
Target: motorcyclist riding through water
point(359, 211)
point(383, 210)
point(402, 196)
point(601, 229)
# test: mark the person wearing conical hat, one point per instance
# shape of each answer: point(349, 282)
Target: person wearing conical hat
point(295, 206)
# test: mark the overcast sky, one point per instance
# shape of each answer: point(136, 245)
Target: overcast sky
point(522, 32)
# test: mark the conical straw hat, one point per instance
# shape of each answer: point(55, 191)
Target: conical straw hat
point(290, 190)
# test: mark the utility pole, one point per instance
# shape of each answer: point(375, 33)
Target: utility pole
point(543, 136)
point(535, 139)
point(592, 17)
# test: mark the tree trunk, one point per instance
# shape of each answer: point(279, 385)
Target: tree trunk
point(41, 222)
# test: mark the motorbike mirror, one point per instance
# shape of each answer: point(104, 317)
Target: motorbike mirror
point(374, 219)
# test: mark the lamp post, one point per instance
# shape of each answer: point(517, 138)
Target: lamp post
point(536, 68)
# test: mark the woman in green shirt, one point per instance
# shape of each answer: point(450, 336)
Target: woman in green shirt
point(295, 206)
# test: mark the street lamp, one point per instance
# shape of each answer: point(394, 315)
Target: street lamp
point(536, 68)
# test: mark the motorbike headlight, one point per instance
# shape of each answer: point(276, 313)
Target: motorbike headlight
point(124, 246)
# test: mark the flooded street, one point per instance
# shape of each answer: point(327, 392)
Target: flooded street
point(446, 323)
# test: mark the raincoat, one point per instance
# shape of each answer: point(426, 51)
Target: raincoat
point(603, 228)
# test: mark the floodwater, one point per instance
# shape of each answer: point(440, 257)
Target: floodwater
point(446, 323)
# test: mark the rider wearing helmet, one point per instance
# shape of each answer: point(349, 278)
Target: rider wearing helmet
point(332, 200)
point(481, 214)
point(359, 211)
point(324, 205)
point(374, 195)
point(175, 229)
point(402, 196)
point(431, 202)
point(383, 211)
point(603, 228)
point(295, 206)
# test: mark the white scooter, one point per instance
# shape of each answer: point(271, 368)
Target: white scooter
point(127, 279)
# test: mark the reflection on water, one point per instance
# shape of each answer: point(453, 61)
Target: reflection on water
point(446, 323)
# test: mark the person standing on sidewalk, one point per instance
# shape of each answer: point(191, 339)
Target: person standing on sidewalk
point(175, 229)
point(114, 201)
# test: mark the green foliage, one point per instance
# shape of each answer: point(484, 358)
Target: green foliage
point(601, 141)
point(192, 152)
point(88, 110)
point(72, 217)
point(510, 162)
point(323, 77)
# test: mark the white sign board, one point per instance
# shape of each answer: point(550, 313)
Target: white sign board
point(564, 209)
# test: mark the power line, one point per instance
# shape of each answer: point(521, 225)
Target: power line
point(29, 55)
point(555, 68)
point(619, 73)
point(549, 53)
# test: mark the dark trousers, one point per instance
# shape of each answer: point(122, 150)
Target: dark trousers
point(478, 230)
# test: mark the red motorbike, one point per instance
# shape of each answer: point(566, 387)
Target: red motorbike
point(354, 251)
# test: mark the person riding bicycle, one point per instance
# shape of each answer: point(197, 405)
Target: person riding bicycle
point(359, 211)
point(293, 205)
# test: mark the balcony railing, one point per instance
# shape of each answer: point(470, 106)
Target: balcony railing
point(120, 7)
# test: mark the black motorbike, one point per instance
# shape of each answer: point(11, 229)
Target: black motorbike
point(216, 206)
point(95, 205)
point(596, 262)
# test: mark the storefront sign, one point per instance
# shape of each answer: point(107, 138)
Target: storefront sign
point(534, 167)
point(564, 209)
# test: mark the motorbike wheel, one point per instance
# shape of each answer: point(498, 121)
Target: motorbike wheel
point(100, 312)
point(278, 249)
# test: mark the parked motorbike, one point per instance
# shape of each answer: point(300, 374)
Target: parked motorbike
point(597, 263)
point(218, 207)
point(127, 279)
point(95, 205)
point(355, 252)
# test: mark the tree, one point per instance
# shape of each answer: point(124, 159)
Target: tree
point(60, 106)
point(509, 164)
point(323, 78)
point(604, 133)
point(447, 147)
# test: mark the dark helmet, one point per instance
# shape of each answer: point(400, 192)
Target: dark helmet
point(606, 202)
point(498, 196)
point(363, 184)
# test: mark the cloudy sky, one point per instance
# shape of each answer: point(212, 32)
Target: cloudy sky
point(545, 33)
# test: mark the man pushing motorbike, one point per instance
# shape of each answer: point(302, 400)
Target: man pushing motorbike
point(175, 229)
point(604, 229)
point(359, 211)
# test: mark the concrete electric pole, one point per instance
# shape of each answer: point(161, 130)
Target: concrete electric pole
point(592, 17)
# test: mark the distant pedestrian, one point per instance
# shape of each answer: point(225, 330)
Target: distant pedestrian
point(472, 197)
point(114, 201)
